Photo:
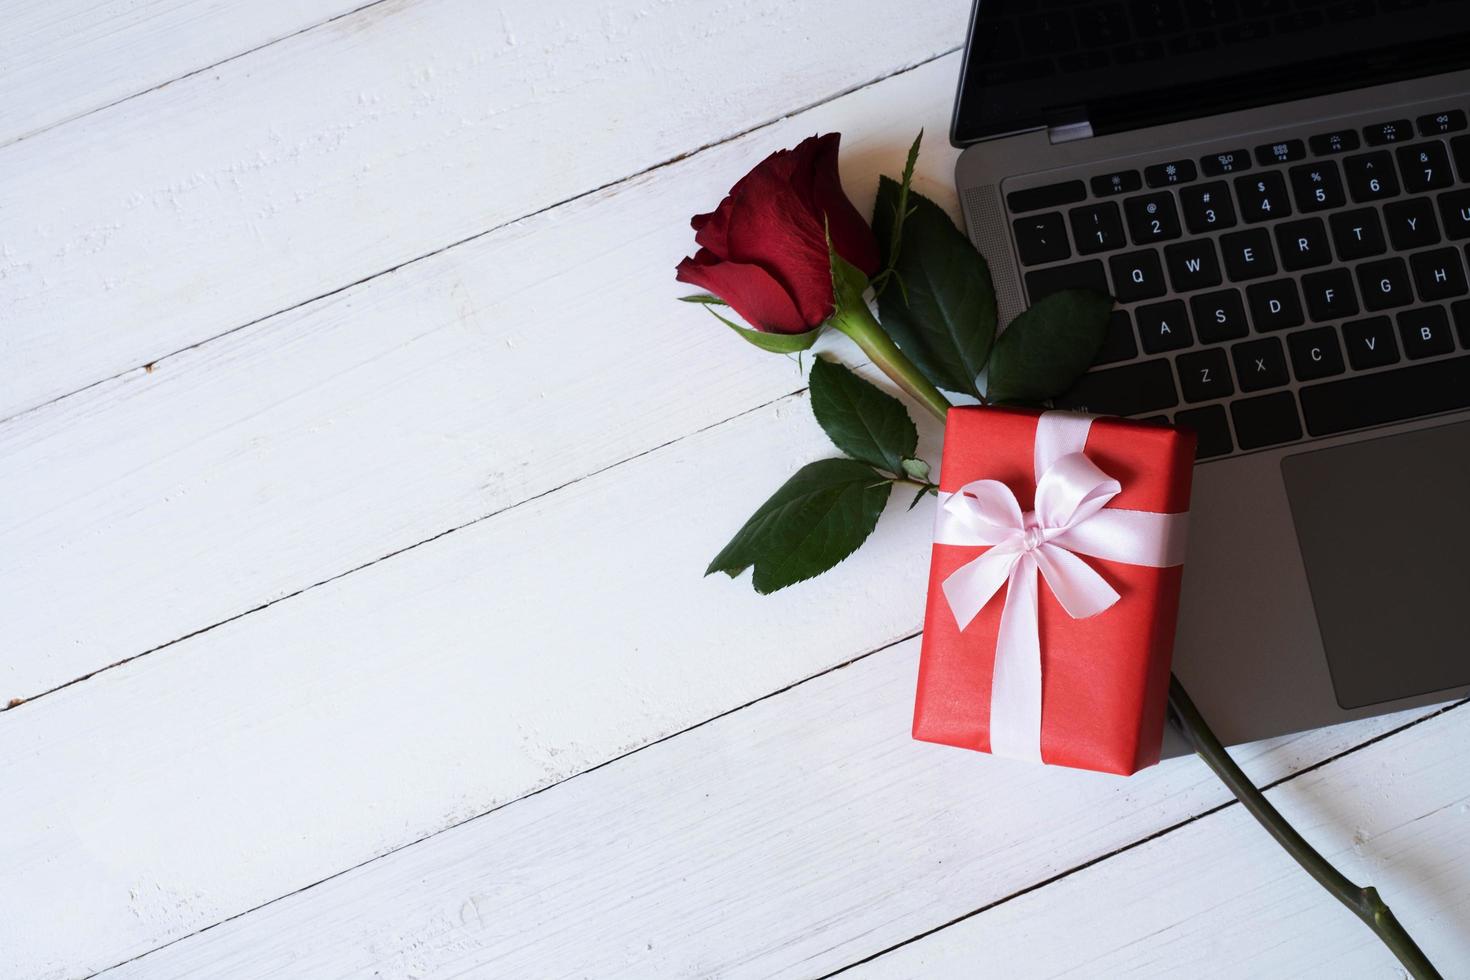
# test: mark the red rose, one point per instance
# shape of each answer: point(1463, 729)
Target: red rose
point(764, 249)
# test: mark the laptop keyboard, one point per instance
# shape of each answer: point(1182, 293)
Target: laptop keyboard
point(1267, 294)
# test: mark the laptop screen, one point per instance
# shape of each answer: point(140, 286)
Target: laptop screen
point(1131, 63)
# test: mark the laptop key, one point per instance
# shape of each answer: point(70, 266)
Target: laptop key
point(1211, 427)
point(1286, 151)
point(1118, 344)
point(1385, 284)
point(1169, 174)
point(1315, 353)
point(1219, 316)
point(1266, 421)
point(1461, 147)
point(1387, 396)
point(1425, 167)
point(1392, 131)
point(1411, 224)
point(1078, 275)
point(1438, 274)
point(1205, 375)
point(1330, 295)
point(1454, 208)
point(1461, 312)
point(1132, 389)
point(1340, 141)
point(1119, 182)
point(1262, 197)
point(1371, 177)
point(1137, 276)
point(1208, 207)
point(1303, 244)
point(1439, 123)
point(1260, 364)
point(1248, 254)
point(1041, 238)
point(1163, 327)
point(1097, 228)
point(1370, 343)
point(1357, 234)
point(1192, 265)
point(1274, 305)
point(1229, 162)
point(1425, 332)
point(1152, 218)
point(1050, 196)
point(1317, 186)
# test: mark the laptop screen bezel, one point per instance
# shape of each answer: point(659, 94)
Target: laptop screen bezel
point(1114, 112)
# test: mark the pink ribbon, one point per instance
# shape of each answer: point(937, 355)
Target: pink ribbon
point(1070, 519)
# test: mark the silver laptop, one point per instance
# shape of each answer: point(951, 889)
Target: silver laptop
point(1278, 194)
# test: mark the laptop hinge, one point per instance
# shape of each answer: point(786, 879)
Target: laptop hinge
point(1079, 129)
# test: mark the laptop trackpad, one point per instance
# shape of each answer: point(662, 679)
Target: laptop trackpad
point(1384, 529)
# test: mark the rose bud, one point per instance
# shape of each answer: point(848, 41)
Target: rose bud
point(764, 249)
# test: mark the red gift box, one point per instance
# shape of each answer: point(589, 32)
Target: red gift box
point(1104, 678)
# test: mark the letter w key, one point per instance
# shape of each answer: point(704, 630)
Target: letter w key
point(1192, 265)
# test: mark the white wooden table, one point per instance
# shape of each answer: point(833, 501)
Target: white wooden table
point(357, 474)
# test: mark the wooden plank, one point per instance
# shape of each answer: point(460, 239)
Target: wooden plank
point(1219, 899)
point(64, 58)
point(375, 139)
point(788, 839)
point(317, 733)
point(320, 440)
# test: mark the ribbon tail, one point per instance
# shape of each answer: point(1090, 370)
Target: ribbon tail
point(971, 586)
point(1015, 688)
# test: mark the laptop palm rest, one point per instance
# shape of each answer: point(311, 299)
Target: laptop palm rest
point(1384, 535)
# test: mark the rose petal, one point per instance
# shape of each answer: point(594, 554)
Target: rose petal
point(769, 225)
point(851, 236)
point(750, 290)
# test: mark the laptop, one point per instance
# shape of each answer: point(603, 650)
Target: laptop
point(1277, 192)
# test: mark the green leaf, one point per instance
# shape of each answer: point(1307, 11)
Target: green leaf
point(703, 298)
point(943, 316)
point(1045, 350)
point(818, 517)
point(900, 213)
point(776, 343)
point(864, 422)
point(916, 469)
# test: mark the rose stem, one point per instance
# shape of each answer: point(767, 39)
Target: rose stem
point(1365, 902)
point(859, 324)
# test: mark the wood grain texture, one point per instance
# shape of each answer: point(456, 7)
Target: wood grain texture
point(321, 439)
point(1218, 898)
point(64, 58)
point(788, 839)
point(375, 139)
point(324, 730)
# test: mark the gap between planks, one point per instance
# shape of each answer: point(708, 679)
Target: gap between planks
point(100, 356)
point(422, 535)
point(83, 114)
point(1142, 841)
point(533, 793)
point(192, 959)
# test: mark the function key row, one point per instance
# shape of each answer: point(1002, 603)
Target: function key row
point(1392, 131)
point(1171, 173)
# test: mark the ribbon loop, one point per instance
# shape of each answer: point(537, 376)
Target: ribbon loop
point(1069, 520)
